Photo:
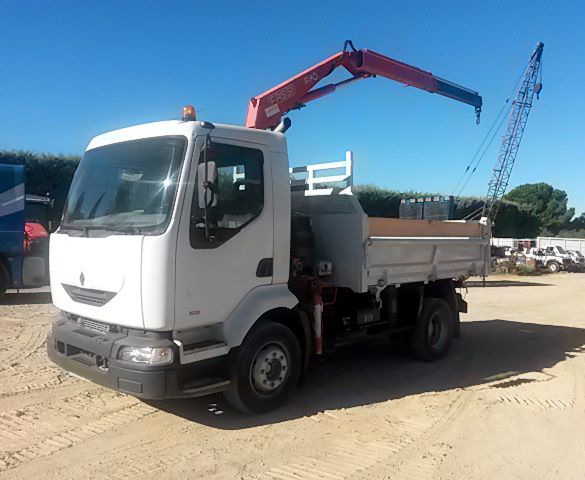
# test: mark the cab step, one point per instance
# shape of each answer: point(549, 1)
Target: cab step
point(195, 352)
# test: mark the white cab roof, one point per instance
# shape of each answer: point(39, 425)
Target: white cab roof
point(276, 141)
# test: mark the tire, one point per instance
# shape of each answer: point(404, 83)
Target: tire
point(256, 389)
point(554, 267)
point(4, 280)
point(433, 331)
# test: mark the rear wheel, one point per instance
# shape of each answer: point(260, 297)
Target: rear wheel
point(433, 331)
point(554, 267)
point(4, 280)
point(266, 369)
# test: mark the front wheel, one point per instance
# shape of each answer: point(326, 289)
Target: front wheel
point(554, 267)
point(433, 330)
point(266, 369)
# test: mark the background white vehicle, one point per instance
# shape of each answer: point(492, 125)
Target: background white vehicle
point(568, 262)
point(566, 243)
point(549, 259)
point(578, 260)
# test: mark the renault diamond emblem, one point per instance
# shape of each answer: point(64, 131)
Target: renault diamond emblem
point(82, 279)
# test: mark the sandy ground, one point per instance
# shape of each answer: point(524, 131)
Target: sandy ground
point(508, 402)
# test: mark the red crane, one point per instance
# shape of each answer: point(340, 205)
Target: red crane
point(266, 110)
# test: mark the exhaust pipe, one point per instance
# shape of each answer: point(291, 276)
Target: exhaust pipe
point(283, 126)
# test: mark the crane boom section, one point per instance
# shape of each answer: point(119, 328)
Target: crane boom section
point(266, 110)
point(512, 137)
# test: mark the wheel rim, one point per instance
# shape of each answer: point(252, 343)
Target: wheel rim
point(270, 368)
point(435, 330)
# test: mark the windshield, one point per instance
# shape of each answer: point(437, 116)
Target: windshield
point(128, 187)
point(561, 250)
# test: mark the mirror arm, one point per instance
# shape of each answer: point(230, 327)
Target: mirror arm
point(207, 145)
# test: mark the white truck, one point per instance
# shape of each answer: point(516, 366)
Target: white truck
point(188, 263)
point(553, 258)
point(568, 260)
point(569, 244)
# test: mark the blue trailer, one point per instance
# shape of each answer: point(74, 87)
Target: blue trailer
point(12, 201)
point(23, 242)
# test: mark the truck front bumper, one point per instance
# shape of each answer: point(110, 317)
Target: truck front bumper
point(93, 355)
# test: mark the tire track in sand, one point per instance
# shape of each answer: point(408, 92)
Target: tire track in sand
point(361, 455)
point(23, 343)
point(22, 426)
point(17, 381)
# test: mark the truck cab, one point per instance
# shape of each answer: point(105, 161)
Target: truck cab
point(137, 259)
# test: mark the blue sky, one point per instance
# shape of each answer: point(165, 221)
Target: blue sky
point(72, 70)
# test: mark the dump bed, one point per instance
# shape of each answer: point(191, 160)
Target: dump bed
point(368, 251)
point(401, 251)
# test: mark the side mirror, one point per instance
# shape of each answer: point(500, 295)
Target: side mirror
point(207, 192)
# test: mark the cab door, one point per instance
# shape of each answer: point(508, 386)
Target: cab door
point(215, 271)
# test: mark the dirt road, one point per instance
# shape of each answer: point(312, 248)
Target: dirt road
point(508, 402)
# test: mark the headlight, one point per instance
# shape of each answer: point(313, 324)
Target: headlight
point(146, 355)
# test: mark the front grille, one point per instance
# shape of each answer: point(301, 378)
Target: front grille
point(93, 325)
point(97, 298)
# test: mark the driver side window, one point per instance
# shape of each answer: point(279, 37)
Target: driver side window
point(239, 194)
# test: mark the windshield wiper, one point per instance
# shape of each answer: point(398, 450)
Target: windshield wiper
point(120, 228)
point(128, 229)
point(81, 228)
point(95, 206)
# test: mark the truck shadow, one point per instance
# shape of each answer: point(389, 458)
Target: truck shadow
point(26, 298)
point(493, 353)
point(505, 283)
